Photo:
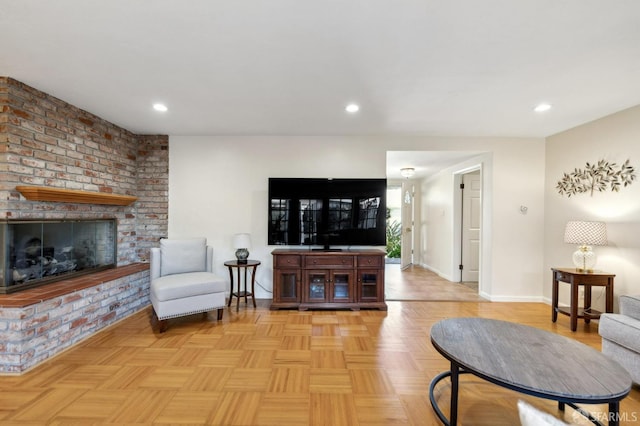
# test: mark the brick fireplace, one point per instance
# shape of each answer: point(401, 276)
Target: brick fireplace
point(47, 143)
point(38, 252)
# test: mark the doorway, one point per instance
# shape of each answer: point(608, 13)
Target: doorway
point(437, 211)
point(407, 212)
point(394, 224)
point(400, 223)
point(470, 220)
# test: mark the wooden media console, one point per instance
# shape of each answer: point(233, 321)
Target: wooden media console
point(308, 279)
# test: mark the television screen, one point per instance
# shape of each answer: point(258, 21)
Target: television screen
point(326, 212)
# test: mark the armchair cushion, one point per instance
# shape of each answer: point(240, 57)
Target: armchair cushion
point(178, 286)
point(180, 256)
point(621, 329)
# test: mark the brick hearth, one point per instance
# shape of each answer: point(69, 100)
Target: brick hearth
point(38, 323)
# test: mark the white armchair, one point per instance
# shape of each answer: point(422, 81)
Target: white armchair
point(182, 281)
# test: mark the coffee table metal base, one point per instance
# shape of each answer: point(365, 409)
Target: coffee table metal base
point(456, 371)
point(453, 415)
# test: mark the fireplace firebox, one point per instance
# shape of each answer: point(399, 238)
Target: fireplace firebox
point(34, 253)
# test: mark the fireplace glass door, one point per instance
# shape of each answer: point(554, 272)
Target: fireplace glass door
point(38, 252)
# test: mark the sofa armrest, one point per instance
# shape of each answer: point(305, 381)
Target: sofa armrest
point(209, 259)
point(154, 263)
point(630, 306)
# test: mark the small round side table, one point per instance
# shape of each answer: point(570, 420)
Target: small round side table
point(249, 264)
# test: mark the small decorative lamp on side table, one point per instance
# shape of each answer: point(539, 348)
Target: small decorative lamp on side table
point(242, 243)
point(585, 234)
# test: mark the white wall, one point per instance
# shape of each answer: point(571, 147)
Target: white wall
point(218, 187)
point(614, 138)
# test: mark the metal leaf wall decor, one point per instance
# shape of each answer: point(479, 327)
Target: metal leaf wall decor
point(599, 177)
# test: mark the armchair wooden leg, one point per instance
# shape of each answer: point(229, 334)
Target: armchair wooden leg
point(220, 312)
point(162, 324)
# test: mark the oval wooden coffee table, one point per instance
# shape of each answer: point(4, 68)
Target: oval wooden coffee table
point(527, 360)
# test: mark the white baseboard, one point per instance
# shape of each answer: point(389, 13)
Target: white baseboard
point(528, 299)
point(437, 272)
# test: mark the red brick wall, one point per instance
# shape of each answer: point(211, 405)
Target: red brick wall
point(45, 141)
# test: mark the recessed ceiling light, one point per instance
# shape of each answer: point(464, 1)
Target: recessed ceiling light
point(160, 107)
point(542, 107)
point(352, 108)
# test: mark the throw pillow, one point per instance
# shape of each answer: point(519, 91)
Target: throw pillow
point(531, 416)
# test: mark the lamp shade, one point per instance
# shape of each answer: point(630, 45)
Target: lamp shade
point(241, 241)
point(586, 233)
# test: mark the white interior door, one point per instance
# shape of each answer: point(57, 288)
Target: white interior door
point(406, 252)
point(471, 219)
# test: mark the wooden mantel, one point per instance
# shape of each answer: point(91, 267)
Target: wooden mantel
point(60, 195)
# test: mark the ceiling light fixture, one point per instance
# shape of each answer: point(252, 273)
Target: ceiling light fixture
point(407, 172)
point(160, 107)
point(352, 108)
point(542, 107)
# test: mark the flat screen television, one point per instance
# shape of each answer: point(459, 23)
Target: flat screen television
point(327, 212)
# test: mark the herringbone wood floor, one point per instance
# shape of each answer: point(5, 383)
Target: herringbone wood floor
point(262, 367)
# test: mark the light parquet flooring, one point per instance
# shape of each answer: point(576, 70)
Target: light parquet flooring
point(417, 283)
point(262, 367)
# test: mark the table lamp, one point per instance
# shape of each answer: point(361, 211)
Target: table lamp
point(585, 234)
point(242, 242)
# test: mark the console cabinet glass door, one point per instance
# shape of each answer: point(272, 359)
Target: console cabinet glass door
point(286, 285)
point(341, 286)
point(369, 281)
point(317, 284)
point(327, 286)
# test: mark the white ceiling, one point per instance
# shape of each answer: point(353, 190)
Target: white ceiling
point(288, 67)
